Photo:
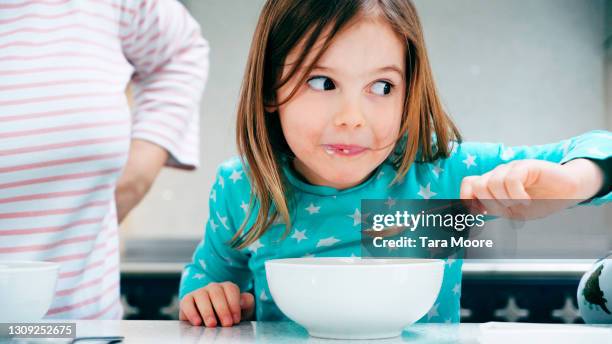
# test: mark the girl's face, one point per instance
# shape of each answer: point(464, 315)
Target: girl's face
point(343, 122)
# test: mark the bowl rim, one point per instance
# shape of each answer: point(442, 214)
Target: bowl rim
point(391, 262)
point(27, 265)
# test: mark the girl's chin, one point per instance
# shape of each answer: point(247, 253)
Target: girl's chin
point(346, 181)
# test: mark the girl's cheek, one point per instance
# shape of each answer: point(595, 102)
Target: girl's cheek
point(385, 118)
point(317, 113)
point(301, 126)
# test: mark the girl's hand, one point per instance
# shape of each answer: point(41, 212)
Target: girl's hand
point(217, 303)
point(509, 188)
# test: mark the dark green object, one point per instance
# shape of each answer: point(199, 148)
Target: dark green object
point(592, 292)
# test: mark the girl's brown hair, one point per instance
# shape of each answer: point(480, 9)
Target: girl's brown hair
point(285, 24)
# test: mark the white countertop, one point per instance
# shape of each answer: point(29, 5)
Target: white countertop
point(136, 331)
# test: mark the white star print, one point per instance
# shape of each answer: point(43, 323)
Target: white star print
point(236, 176)
point(356, 216)
point(299, 235)
point(263, 296)
point(222, 182)
point(223, 220)
point(202, 264)
point(469, 161)
point(327, 242)
point(425, 191)
point(213, 225)
point(433, 312)
point(437, 170)
point(213, 195)
point(198, 276)
point(390, 202)
point(256, 245)
point(507, 154)
point(457, 289)
point(512, 312)
point(312, 209)
point(382, 173)
point(568, 313)
point(244, 206)
point(172, 308)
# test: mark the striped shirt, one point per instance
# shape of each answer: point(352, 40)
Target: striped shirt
point(65, 129)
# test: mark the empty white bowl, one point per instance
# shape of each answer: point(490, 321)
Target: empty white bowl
point(26, 289)
point(354, 298)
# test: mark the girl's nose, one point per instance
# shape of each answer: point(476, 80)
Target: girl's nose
point(350, 115)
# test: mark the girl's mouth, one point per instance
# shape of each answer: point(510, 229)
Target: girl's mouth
point(344, 150)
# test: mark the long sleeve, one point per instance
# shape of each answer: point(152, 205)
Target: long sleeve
point(214, 260)
point(443, 179)
point(170, 59)
point(476, 158)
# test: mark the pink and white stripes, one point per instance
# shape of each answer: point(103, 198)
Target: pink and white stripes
point(65, 128)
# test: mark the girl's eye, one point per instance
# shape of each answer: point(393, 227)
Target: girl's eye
point(321, 83)
point(381, 88)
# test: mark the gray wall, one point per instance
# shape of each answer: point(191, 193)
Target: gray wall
point(520, 72)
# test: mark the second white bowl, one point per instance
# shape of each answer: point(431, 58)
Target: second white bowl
point(26, 289)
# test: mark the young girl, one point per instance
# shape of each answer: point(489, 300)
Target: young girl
point(338, 104)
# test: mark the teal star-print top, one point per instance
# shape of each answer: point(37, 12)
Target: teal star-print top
point(326, 221)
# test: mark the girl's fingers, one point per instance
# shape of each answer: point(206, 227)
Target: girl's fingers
point(219, 302)
point(497, 187)
point(481, 191)
point(499, 191)
point(223, 301)
point(467, 191)
point(202, 301)
point(514, 183)
point(232, 294)
point(189, 311)
point(247, 304)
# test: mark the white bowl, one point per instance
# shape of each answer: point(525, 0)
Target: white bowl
point(354, 298)
point(26, 289)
